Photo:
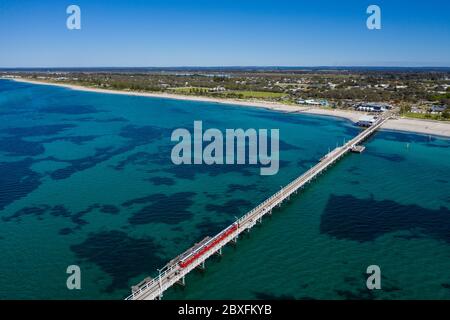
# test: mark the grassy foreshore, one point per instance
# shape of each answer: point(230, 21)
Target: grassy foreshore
point(428, 127)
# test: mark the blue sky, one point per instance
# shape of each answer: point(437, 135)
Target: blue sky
point(131, 33)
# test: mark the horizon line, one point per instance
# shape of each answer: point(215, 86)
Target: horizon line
point(230, 67)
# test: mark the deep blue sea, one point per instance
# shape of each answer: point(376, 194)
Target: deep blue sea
point(86, 179)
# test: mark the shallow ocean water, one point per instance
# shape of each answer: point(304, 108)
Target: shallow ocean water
point(86, 179)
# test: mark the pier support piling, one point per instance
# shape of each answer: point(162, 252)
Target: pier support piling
point(181, 282)
point(201, 266)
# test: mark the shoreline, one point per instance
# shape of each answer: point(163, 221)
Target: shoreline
point(419, 126)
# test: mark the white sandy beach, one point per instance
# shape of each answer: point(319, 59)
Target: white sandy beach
point(428, 127)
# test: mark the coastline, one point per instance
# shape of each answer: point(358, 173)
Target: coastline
point(427, 127)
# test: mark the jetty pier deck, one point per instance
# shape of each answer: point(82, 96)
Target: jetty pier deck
point(176, 270)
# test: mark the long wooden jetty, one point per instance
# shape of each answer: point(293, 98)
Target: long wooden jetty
point(177, 269)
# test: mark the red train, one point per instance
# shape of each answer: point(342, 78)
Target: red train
point(213, 242)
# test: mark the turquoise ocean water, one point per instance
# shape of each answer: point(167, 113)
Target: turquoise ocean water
point(86, 179)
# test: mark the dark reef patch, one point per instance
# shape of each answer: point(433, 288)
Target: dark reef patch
point(38, 131)
point(15, 144)
point(114, 252)
point(211, 195)
point(171, 209)
point(77, 218)
point(139, 158)
point(70, 109)
point(232, 207)
point(116, 119)
point(284, 146)
point(97, 120)
point(354, 170)
point(61, 211)
point(78, 140)
point(158, 181)
point(17, 180)
point(359, 294)
point(38, 211)
point(411, 236)
point(445, 285)
point(137, 136)
point(240, 187)
point(28, 211)
point(65, 231)
point(76, 165)
point(143, 200)
point(362, 293)
point(10, 85)
point(186, 172)
point(387, 156)
point(347, 217)
point(143, 135)
point(269, 296)
point(108, 208)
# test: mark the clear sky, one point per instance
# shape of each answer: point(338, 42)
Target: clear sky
point(149, 33)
